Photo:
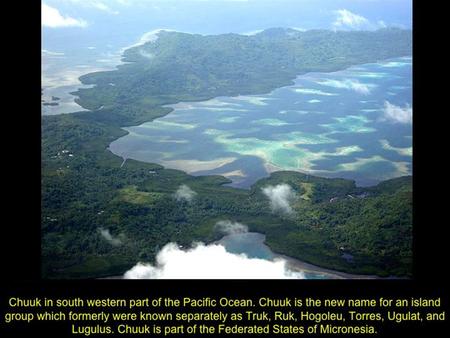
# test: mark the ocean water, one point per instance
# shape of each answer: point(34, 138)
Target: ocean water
point(355, 123)
point(299, 128)
point(112, 26)
point(252, 245)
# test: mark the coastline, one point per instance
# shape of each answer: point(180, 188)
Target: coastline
point(300, 266)
point(192, 166)
point(293, 264)
point(109, 128)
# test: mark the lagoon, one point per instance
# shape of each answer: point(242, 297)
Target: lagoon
point(355, 124)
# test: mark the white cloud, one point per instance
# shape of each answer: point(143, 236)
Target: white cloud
point(397, 114)
point(52, 18)
point(50, 53)
point(358, 87)
point(406, 151)
point(347, 19)
point(222, 0)
point(151, 36)
point(299, 29)
point(209, 262)
point(308, 91)
point(106, 5)
point(381, 24)
point(253, 32)
point(280, 197)
point(103, 7)
point(110, 238)
point(228, 227)
point(125, 2)
point(185, 193)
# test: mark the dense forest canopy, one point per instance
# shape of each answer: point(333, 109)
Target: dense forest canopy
point(90, 195)
point(182, 67)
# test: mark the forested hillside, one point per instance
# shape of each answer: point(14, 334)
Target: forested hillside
point(100, 215)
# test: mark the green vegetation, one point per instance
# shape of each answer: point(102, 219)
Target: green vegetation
point(190, 67)
point(100, 215)
point(308, 188)
point(373, 224)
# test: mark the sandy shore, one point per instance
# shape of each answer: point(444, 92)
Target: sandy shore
point(299, 266)
point(191, 166)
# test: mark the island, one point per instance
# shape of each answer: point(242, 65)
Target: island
point(101, 214)
point(50, 103)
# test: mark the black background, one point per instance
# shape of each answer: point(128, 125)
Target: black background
point(21, 177)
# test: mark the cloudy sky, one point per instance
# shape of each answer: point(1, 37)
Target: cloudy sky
point(71, 25)
point(213, 16)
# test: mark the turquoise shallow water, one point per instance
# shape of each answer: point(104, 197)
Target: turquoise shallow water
point(354, 123)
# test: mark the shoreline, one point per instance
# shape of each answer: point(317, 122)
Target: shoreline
point(297, 265)
point(269, 167)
